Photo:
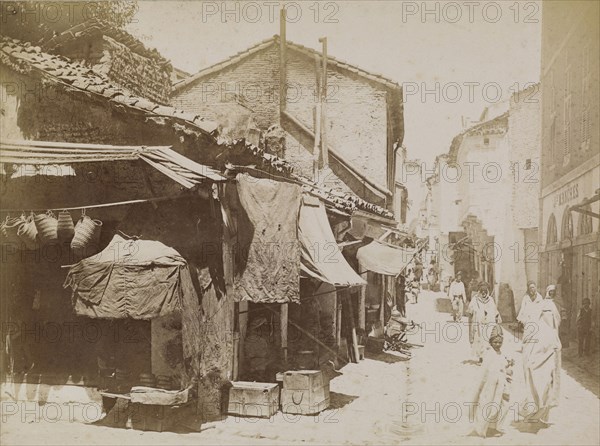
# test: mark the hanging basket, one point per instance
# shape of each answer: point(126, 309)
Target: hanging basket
point(10, 228)
point(46, 225)
point(65, 228)
point(86, 239)
point(27, 232)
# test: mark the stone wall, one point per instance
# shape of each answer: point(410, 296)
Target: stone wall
point(140, 75)
point(524, 131)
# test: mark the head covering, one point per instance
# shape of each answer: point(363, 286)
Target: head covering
point(530, 282)
point(257, 322)
point(496, 333)
point(484, 285)
point(548, 289)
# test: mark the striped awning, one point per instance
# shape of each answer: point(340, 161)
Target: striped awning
point(186, 172)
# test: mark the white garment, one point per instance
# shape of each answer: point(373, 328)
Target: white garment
point(457, 289)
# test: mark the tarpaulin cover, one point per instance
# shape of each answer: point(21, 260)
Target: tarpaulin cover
point(321, 257)
point(264, 214)
point(384, 259)
point(138, 279)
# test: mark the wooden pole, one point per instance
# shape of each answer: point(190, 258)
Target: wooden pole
point(383, 303)
point(362, 302)
point(283, 315)
point(322, 103)
point(338, 321)
point(317, 122)
point(352, 328)
point(282, 63)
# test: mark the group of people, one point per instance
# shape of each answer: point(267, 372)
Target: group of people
point(541, 358)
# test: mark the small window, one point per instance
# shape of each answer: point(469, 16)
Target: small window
point(486, 140)
point(528, 164)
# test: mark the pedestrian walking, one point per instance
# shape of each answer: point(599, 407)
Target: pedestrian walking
point(541, 355)
point(483, 315)
point(458, 296)
point(584, 327)
point(492, 398)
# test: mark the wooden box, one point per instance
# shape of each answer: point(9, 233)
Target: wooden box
point(252, 399)
point(304, 379)
point(305, 392)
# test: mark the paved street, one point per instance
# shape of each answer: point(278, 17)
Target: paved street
point(368, 404)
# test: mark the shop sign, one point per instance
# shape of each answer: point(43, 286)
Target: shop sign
point(568, 193)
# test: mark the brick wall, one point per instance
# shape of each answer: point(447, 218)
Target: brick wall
point(356, 109)
point(253, 82)
point(356, 114)
point(524, 130)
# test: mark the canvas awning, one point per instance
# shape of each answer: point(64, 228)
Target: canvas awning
point(321, 257)
point(383, 258)
point(138, 279)
point(186, 172)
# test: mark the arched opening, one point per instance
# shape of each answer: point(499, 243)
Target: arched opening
point(566, 231)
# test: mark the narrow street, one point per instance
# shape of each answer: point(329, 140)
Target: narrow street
point(367, 403)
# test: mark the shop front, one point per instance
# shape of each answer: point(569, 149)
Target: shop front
point(569, 228)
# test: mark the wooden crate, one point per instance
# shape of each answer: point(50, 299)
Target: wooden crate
point(252, 399)
point(304, 392)
point(304, 379)
point(305, 401)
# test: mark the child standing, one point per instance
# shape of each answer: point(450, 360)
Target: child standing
point(584, 327)
point(493, 394)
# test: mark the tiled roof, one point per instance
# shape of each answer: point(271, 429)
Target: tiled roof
point(76, 77)
point(346, 202)
point(373, 77)
point(95, 26)
point(24, 57)
point(499, 124)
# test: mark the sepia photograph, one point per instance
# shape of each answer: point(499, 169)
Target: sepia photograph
point(310, 222)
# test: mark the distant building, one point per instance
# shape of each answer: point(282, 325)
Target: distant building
point(410, 175)
point(482, 201)
point(364, 113)
point(570, 165)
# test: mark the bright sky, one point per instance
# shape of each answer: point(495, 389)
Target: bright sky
point(461, 52)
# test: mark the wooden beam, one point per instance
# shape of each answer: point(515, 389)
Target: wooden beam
point(282, 62)
point(382, 300)
point(322, 103)
point(283, 318)
point(585, 212)
point(338, 320)
point(362, 300)
point(352, 328)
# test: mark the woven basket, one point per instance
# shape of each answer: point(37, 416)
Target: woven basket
point(27, 232)
point(65, 228)
point(86, 239)
point(10, 228)
point(46, 225)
